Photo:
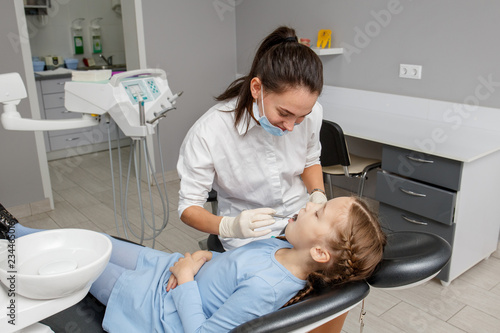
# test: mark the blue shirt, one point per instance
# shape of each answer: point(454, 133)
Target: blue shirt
point(232, 288)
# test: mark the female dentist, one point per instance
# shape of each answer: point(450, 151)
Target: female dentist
point(258, 147)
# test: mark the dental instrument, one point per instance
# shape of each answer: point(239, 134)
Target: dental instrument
point(294, 216)
point(136, 100)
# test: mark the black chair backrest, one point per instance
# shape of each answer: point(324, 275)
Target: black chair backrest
point(333, 146)
point(308, 311)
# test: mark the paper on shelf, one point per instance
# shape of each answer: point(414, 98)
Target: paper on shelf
point(56, 71)
point(92, 75)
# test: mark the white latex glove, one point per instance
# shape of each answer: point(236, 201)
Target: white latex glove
point(244, 225)
point(318, 197)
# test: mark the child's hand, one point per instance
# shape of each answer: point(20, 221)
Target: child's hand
point(185, 269)
point(202, 254)
point(172, 281)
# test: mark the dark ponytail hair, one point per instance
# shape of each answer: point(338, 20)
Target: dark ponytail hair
point(356, 250)
point(281, 63)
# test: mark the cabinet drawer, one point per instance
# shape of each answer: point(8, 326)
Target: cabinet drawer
point(53, 101)
point(54, 86)
point(61, 113)
point(83, 133)
point(100, 132)
point(70, 140)
point(395, 219)
point(428, 168)
point(429, 201)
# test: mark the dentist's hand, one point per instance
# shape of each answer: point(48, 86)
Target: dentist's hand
point(318, 197)
point(244, 225)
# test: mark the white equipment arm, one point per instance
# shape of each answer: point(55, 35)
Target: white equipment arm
point(12, 90)
point(14, 122)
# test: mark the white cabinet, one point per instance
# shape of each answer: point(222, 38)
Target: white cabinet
point(438, 177)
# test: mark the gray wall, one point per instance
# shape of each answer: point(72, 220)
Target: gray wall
point(20, 177)
point(193, 41)
point(196, 46)
point(199, 44)
point(456, 42)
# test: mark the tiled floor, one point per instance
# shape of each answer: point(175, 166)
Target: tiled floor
point(84, 199)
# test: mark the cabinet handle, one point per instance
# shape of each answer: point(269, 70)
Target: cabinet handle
point(65, 111)
point(413, 220)
point(73, 139)
point(61, 98)
point(61, 83)
point(415, 194)
point(420, 160)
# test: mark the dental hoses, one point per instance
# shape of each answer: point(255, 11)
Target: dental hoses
point(139, 148)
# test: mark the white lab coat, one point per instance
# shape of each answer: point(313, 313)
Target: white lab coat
point(248, 171)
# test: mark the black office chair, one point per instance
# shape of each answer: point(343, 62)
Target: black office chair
point(409, 258)
point(336, 160)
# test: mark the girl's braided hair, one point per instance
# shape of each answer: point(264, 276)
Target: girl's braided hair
point(356, 249)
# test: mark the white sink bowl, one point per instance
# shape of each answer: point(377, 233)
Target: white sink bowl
point(54, 263)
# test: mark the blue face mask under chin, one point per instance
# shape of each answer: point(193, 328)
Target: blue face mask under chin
point(264, 122)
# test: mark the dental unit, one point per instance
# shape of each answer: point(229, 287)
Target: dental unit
point(136, 100)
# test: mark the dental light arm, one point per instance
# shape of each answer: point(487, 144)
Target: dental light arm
point(12, 90)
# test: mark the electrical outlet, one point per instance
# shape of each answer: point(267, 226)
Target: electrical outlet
point(410, 71)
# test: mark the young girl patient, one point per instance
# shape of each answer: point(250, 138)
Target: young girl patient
point(146, 290)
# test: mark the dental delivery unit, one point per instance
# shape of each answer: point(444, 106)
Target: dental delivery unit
point(136, 100)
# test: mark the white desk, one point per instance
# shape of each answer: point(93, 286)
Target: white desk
point(470, 136)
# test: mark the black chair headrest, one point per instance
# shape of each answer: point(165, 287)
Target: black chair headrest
point(410, 257)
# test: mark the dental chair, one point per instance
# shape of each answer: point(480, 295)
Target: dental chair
point(410, 258)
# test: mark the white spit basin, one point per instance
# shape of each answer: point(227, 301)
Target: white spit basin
point(54, 263)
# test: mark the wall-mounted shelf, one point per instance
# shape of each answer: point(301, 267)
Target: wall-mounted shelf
point(328, 51)
point(36, 7)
